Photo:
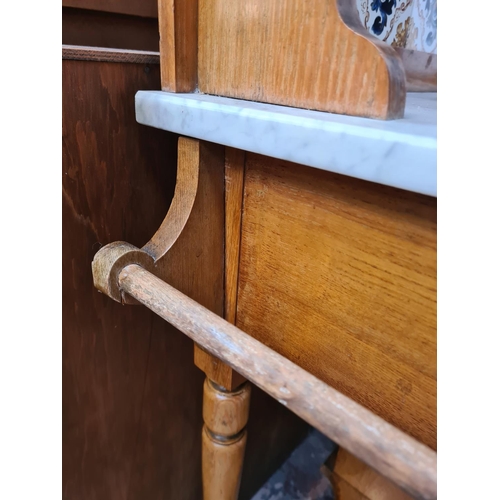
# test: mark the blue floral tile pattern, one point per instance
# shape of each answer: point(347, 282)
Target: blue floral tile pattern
point(410, 24)
point(384, 9)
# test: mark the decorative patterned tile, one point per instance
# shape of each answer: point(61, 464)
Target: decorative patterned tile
point(299, 478)
point(410, 24)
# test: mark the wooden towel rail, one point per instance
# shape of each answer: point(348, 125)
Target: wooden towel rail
point(397, 456)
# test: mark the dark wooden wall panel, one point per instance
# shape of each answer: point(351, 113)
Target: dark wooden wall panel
point(132, 397)
point(142, 8)
point(118, 180)
point(107, 29)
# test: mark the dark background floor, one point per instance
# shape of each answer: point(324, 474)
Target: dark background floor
point(300, 478)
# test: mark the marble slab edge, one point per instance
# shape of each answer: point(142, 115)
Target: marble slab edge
point(398, 153)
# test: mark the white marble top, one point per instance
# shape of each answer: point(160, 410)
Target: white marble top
point(399, 153)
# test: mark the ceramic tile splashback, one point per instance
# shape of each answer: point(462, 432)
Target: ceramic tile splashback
point(410, 24)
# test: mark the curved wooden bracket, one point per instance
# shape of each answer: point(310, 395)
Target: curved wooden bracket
point(112, 258)
point(187, 258)
point(186, 188)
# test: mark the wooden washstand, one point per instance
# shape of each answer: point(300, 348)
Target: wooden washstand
point(331, 269)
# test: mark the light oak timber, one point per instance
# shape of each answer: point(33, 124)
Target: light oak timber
point(190, 156)
point(346, 491)
point(178, 25)
point(314, 55)
point(234, 178)
point(234, 169)
point(188, 249)
point(371, 485)
point(222, 463)
point(215, 369)
point(201, 171)
point(405, 461)
point(189, 252)
point(225, 413)
point(223, 440)
point(105, 271)
point(199, 191)
point(339, 276)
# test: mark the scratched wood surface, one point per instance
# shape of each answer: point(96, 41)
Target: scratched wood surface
point(397, 456)
point(339, 275)
point(298, 54)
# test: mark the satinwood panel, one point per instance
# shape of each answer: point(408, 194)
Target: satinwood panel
point(339, 275)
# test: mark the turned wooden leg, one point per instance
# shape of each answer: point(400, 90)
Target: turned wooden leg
point(224, 438)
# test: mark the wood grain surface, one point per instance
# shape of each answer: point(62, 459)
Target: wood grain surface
point(339, 275)
point(363, 480)
point(225, 413)
point(299, 54)
point(118, 179)
point(222, 464)
point(234, 178)
point(178, 26)
point(132, 397)
point(79, 53)
point(215, 370)
point(224, 438)
point(346, 491)
point(405, 461)
point(187, 189)
point(195, 264)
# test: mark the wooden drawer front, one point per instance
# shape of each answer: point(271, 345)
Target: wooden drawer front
point(339, 275)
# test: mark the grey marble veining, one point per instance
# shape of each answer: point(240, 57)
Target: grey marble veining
point(399, 153)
